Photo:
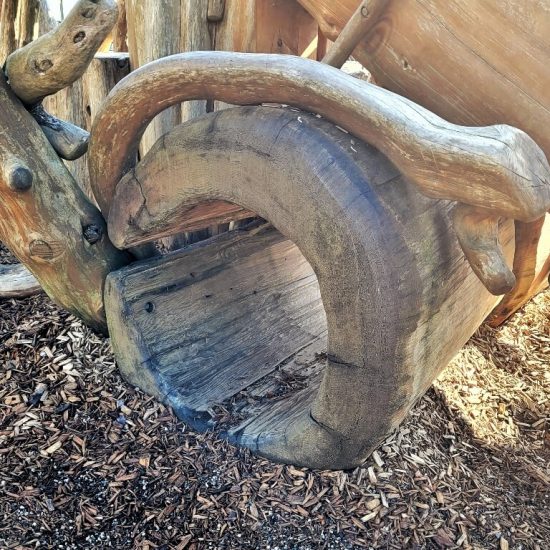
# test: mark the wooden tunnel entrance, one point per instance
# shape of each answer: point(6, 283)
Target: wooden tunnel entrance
point(234, 332)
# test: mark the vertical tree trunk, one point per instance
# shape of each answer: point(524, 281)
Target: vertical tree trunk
point(7, 29)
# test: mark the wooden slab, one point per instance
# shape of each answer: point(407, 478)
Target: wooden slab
point(199, 327)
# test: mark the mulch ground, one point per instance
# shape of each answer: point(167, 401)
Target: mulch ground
point(86, 461)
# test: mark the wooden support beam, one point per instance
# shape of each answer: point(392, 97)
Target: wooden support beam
point(362, 21)
point(46, 220)
point(55, 60)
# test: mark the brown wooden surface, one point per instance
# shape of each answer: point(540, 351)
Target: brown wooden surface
point(390, 270)
point(80, 102)
point(470, 61)
point(46, 221)
point(497, 168)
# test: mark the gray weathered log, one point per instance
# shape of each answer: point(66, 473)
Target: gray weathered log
point(498, 168)
point(390, 270)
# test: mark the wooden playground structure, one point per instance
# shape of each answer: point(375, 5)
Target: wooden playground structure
point(374, 227)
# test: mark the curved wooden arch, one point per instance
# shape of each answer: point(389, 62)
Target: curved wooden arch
point(339, 201)
point(497, 168)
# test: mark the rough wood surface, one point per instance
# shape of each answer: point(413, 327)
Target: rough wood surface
point(46, 220)
point(16, 281)
point(449, 56)
point(497, 168)
point(390, 270)
point(361, 22)
point(7, 36)
point(260, 304)
point(55, 60)
point(529, 261)
point(80, 102)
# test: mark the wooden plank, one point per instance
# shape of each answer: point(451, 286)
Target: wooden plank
point(214, 319)
point(295, 381)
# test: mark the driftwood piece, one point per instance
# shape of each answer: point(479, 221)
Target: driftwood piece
point(477, 232)
point(69, 141)
point(496, 168)
point(46, 220)
point(55, 60)
point(361, 22)
point(390, 271)
point(16, 281)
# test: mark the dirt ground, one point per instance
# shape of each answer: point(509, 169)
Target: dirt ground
point(87, 461)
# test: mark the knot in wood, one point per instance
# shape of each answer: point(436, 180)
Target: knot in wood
point(20, 178)
point(93, 233)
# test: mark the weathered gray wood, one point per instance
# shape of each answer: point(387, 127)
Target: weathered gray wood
point(248, 302)
point(57, 59)
point(390, 269)
point(498, 168)
point(16, 281)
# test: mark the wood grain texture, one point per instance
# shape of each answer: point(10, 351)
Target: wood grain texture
point(57, 59)
point(80, 103)
point(16, 281)
point(46, 220)
point(498, 167)
point(363, 19)
point(249, 302)
point(529, 261)
point(471, 62)
point(390, 270)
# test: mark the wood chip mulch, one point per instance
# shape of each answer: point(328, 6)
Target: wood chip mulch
point(87, 461)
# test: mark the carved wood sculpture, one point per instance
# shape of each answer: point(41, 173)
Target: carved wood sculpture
point(45, 219)
point(462, 73)
point(498, 169)
point(198, 327)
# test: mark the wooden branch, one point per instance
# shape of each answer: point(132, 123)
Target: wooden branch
point(69, 141)
point(477, 232)
point(16, 281)
point(498, 168)
point(362, 21)
point(120, 32)
point(55, 60)
point(525, 270)
point(46, 220)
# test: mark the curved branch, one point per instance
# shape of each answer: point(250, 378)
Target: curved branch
point(16, 281)
point(55, 60)
point(495, 167)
